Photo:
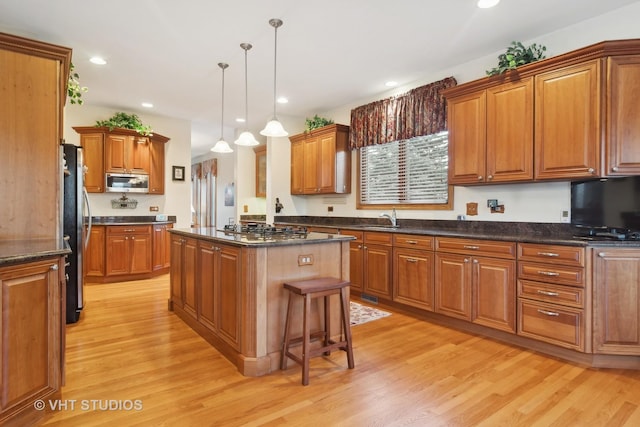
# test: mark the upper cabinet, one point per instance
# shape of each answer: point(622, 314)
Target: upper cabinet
point(321, 161)
point(549, 120)
point(261, 170)
point(122, 151)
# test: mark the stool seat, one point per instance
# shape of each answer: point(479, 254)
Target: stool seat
point(310, 289)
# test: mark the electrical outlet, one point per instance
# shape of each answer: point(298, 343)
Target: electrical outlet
point(154, 208)
point(564, 217)
point(305, 259)
point(329, 208)
point(492, 203)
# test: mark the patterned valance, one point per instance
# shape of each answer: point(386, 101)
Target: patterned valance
point(196, 171)
point(204, 168)
point(421, 111)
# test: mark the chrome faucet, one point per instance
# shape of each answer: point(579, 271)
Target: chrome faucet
point(392, 217)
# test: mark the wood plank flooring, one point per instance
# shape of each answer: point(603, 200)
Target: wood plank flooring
point(131, 362)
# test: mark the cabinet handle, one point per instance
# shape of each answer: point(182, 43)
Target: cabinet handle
point(471, 247)
point(547, 254)
point(133, 237)
point(547, 293)
point(490, 177)
point(359, 246)
point(412, 242)
point(614, 169)
point(549, 273)
point(412, 260)
point(466, 260)
point(548, 313)
point(479, 177)
point(475, 261)
point(54, 267)
point(591, 170)
point(601, 254)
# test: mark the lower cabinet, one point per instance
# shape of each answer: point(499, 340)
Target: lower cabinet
point(370, 263)
point(94, 255)
point(161, 246)
point(616, 301)
point(475, 281)
point(128, 250)
point(413, 263)
point(32, 336)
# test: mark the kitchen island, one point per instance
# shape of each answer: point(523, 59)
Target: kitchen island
point(228, 287)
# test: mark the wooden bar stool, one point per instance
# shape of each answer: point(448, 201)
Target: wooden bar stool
point(309, 289)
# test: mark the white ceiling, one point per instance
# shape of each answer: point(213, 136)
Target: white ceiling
point(330, 53)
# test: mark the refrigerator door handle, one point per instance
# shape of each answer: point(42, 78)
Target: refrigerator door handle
point(86, 200)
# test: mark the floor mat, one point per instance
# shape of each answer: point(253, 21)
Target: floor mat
point(363, 314)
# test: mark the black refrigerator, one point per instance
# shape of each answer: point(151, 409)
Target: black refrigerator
point(75, 201)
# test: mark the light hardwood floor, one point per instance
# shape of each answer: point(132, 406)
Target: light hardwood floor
point(128, 347)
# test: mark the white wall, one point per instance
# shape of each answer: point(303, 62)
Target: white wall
point(176, 200)
point(523, 202)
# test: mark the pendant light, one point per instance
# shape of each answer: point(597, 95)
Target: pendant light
point(222, 146)
point(246, 138)
point(274, 127)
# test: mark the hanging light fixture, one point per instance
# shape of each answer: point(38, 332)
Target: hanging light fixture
point(246, 138)
point(274, 127)
point(222, 146)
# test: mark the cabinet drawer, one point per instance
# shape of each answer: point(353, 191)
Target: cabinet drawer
point(323, 230)
point(359, 235)
point(373, 237)
point(560, 274)
point(413, 241)
point(557, 294)
point(492, 248)
point(129, 229)
point(558, 325)
point(554, 254)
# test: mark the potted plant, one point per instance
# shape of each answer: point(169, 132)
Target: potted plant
point(316, 122)
point(517, 54)
point(126, 121)
point(74, 90)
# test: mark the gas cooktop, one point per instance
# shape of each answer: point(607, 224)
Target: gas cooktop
point(266, 232)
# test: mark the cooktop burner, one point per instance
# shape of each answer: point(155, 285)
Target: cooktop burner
point(255, 231)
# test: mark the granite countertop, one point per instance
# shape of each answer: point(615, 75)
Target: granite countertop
point(545, 233)
point(20, 251)
point(214, 235)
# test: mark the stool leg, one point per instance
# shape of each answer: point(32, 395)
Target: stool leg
point(327, 323)
point(346, 322)
point(285, 343)
point(306, 339)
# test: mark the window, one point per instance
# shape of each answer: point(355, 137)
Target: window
point(410, 172)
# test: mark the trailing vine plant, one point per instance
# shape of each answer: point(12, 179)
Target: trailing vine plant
point(125, 121)
point(316, 122)
point(74, 90)
point(517, 54)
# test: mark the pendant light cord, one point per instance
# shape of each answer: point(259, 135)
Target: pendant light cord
point(223, 66)
point(246, 89)
point(275, 60)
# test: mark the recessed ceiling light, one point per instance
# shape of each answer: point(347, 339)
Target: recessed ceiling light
point(282, 100)
point(485, 4)
point(240, 120)
point(97, 60)
point(391, 84)
point(147, 105)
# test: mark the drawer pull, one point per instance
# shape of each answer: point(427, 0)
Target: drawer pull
point(547, 293)
point(548, 313)
point(551, 254)
point(471, 247)
point(412, 260)
point(412, 242)
point(549, 273)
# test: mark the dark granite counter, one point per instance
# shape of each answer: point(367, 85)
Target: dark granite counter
point(20, 251)
point(548, 233)
point(212, 234)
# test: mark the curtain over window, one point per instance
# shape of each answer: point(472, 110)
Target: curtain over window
point(421, 111)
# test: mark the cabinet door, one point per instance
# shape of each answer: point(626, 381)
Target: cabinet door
point(356, 265)
point(297, 167)
point(567, 122)
point(494, 293)
point(467, 138)
point(114, 153)
point(118, 258)
point(623, 109)
point(616, 301)
point(190, 295)
point(377, 273)
point(453, 285)
point(93, 146)
point(177, 267)
point(156, 169)
point(207, 270)
point(310, 172)
point(326, 163)
point(141, 247)
point(413, 277)
point(261, 170)
point(510, 132)
point(137, 155)
point(94, 257)
point(230, 287)
point(30, 340)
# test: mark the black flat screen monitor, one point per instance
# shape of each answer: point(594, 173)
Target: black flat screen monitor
point(611, 204)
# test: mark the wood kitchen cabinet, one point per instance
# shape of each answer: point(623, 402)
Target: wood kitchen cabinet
point(475, 281)
point(356, 260)
point(31, 339)
point(94, 255)
point(127, 154)
point(93, 149)
point(491, 134)
point(616, 301)
point(261, 170)
point(371, 263)
point(567, 122)
point(321, 161)
point(182, 281)
point(128, 250)
point(413, 265)
point(156, 164)
point(161, 246)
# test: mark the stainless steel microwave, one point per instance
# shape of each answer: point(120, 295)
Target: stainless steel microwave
point(127, 183)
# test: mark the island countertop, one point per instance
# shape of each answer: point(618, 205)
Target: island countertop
point(242, 239)
point(18, 251)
